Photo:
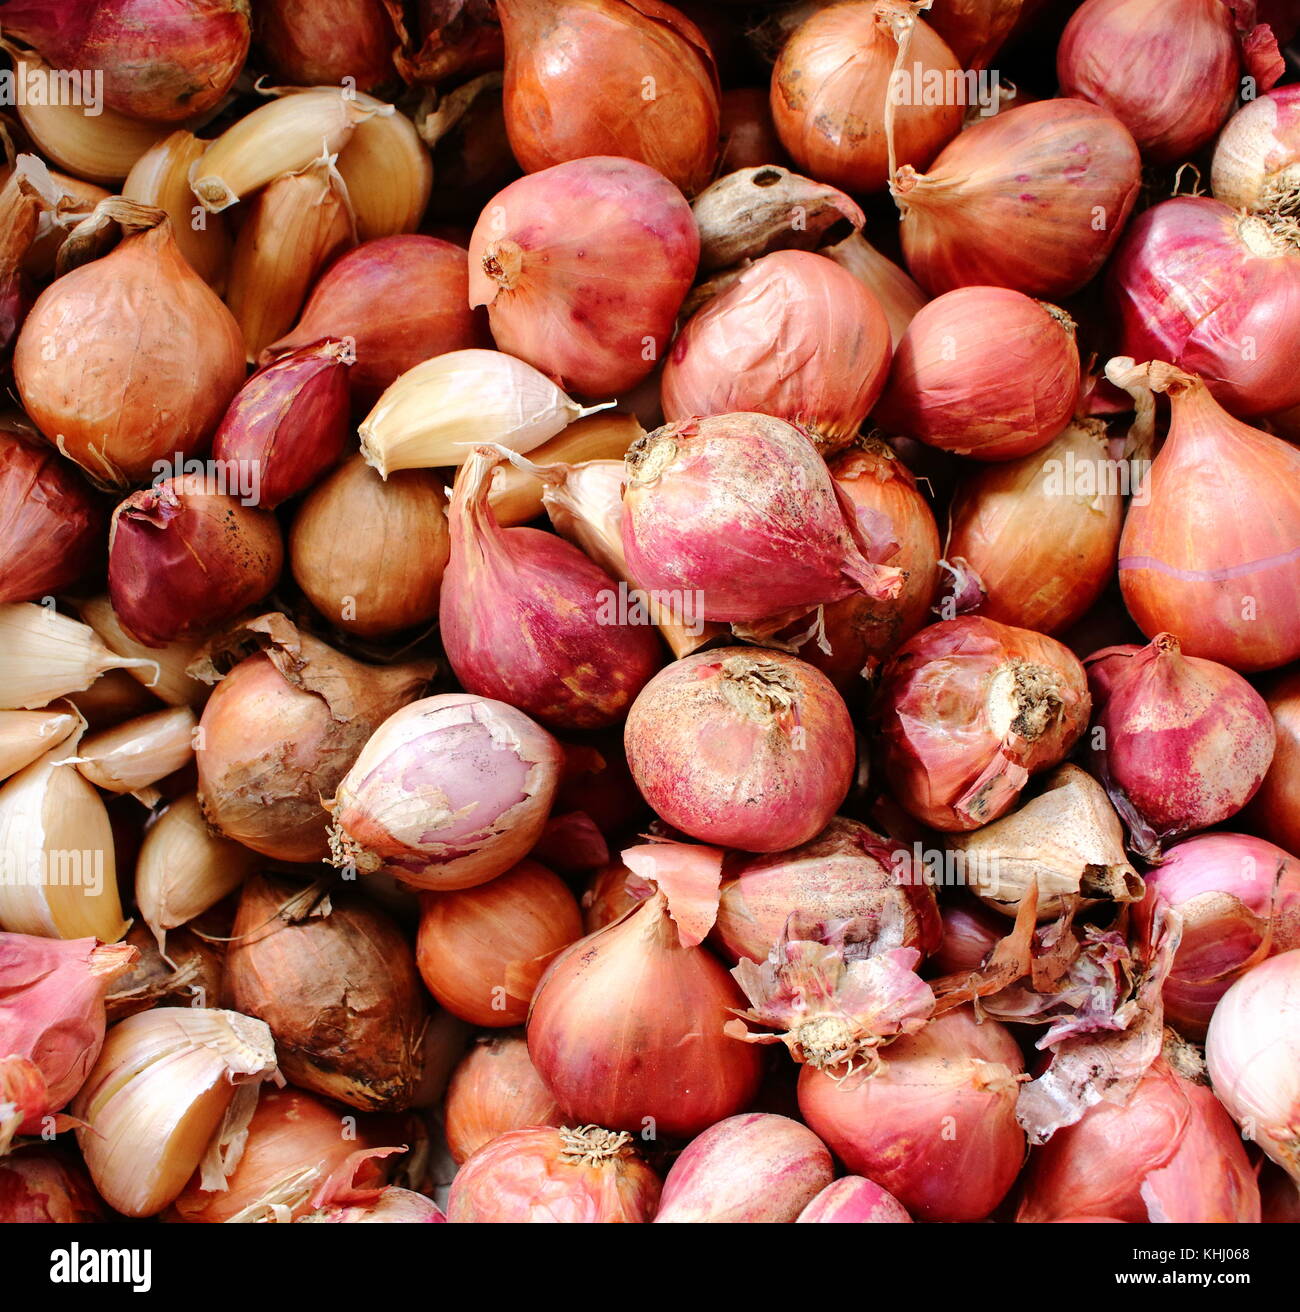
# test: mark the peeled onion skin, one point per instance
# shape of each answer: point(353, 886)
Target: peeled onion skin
point(742, 748)
point(854, 1199)
point(1274, 810)
point(583, 268)
point(495, 1089)
point(1257, 157)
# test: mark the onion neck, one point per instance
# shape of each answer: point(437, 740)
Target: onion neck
point(649, 456)
point(759, 690)
point(590, 1145)
point(503, 262)
point(1023, 700)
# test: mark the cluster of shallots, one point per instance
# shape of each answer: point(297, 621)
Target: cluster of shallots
point(624, 612)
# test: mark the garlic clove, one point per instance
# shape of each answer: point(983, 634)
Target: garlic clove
point(389, 175)
point(27, 735)
point(167, 679)
point(131, 756)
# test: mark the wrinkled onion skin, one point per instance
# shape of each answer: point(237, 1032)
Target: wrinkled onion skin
point(494, 1090)
point(1274, 809)
point(855, 1199)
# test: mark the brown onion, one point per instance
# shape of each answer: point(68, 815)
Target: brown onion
point(1042, 532)
point(1033, 199)
point(131, 358)
point(542, 1174)
point(583, 268)
point(1274, 809)
point(609, 896)
point(1257, 157)
point(312, 43)
point(482, 950)
point(494, 1090)
point(796, 337)
point(984, 372)
point(833, 84)
point(645, 63)
point(854, 1199)
point(400, 300)
point(336, 981)
point(282, 728)
point(42, 1184)
point(1180, 743)
point(448, 793)
point(741, 747)
point(370, 552)
point(937, 1126)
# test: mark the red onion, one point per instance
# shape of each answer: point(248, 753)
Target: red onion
point(1198, 285)
point(51, 523)
point(740, 510)
point(984, 372)
point(1274, 810)
point(846, 873)
point(1253, 1053)
point(1033, 199)
point(312, 43)
point(745, 748)
point(855, 1199)
point(541, 1174)
point(752, 1168)
point(970, 710)
point(528, 619)
point(494, 1090)
point(39, 1183)
point(449, 792)
point(400, 300)
point(1181, 743)
point(1210, 552)
point(184, 557)
point(937, 1126)
point(1239, 901)
point(970, 932)
point(583, 268)
point(289, 423)
point(1170, 1153)
point(795, 336)
point(975, 29)
point(1257, 157)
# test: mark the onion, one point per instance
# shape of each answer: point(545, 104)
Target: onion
point(1042, 532)
point(1251, 1051)
point(564, 56)
point(1238, 898)
point(1181, 743)
point(1170, 1153)
point(51, 523)
point(1257, 157)
point(970, 710)
point(541, 1174)
point(937, 1126)
point(370, 552)
point(528, 619)
point(855, 1199)
point(1210, 553)
point(42, 1184)
point(448, 793)
point(482, 950)
point(1032, 199)
point(750, 1169)
point(796, 337)
point(984, 372)
point(1210, 290)
point(970, 932)
point(494, 1090)
point(131, 359)
point(834, 82)
point(282, 728)
point(400, 300)
point(339, 42)
point(1173, 103)
point(744, 748)
point(164, 60)
point(336, 982)
point(583, 268)
point(896, 292)
point(610, 894)
point(626, 1025)
point(847, 872)
point(1279, 1196)
point(1274, 810)
point(746, 133)
point(975, 29)
point(740, 510)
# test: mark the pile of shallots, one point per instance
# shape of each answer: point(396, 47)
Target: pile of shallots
point(617, 612)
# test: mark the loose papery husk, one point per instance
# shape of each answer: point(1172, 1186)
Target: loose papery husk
point(188, 976)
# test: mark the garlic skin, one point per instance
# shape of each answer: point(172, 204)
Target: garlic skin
point(131, 756)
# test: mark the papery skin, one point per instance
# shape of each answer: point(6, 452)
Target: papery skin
point(1273, 810)
point(493, 1090)
point(1186, 742)
point(894, 289)
point(1239, 900)
point(449, 792)
point(1170, 1153)
point(40, 1184)
point(984, 372)
point(975, 29)
point(829, 90)
point(752, 1168)
point(1257, 157)
point(583, 268)
point(627, 1024)
point(1017, 200)
point(1215, 293)
point(897, 1128)
point(563, 56)
point(400, 299)
point(970, 932)
point(796, 337)
point(744, 748)
point(315, 43)
point(521, 1176)
point(854, 1199)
